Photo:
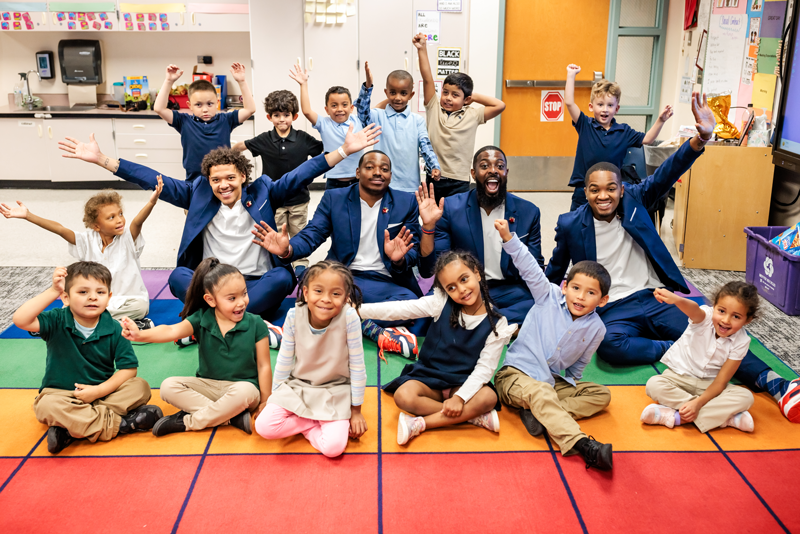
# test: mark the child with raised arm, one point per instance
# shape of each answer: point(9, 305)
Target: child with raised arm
point(602, 138)
point(696, 388)
point(543, 368)
point(110, 242)
point(205, 128)
point(405, 135)
point(234, 377)
point(333, 127)
point(81, 394)
point(452, 122)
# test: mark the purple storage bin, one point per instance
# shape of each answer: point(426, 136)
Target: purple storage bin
point(775, 272)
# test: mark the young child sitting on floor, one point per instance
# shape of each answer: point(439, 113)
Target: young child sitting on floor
point(559, 334)
point(320, 374)
point(696, 388)
point(110, 242)
point(234, 376)
point(81, 395)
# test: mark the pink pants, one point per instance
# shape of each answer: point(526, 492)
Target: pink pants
point(328, 437)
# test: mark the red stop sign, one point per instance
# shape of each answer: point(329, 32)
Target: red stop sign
point(552, 105)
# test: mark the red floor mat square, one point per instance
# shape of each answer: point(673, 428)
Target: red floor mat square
point(285, 493)
point(7, 466)
point(666, 492)
point(96, 494)
point(501, 492)
point(772, 475)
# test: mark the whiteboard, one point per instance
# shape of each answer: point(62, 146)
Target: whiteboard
point(726, 41)
point(703, 14)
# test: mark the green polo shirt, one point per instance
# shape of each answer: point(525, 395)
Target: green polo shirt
point(73, 359)
point(230, 357)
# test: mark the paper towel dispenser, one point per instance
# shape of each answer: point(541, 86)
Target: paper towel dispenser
point(80, 61)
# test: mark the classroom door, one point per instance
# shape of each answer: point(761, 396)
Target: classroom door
point(541, 39)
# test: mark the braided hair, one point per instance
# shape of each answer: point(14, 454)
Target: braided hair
point(207, 277)
point(472, 263)
point(354, 295)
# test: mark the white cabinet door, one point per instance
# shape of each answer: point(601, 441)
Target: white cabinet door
point(71, 170)
point(218, 22)
point(24, 148)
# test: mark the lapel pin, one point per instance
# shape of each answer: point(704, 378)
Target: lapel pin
point(385, 210)
point(249, 203)
point(511, 219)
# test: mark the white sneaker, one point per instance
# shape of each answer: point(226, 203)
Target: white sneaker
point(275, 335)
point(742, 421)
point(489, 421)
point(409, 427)
point(658, 414)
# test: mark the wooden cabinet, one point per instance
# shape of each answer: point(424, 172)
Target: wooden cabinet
point(727, 189)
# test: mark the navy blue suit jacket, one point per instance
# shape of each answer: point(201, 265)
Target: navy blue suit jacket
point(460, 228)
point(260, 197)
point(339, 216)
point(575, 238)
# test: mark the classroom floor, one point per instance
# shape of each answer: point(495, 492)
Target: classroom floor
point(462, 479)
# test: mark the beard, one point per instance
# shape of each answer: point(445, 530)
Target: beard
point(487, 201)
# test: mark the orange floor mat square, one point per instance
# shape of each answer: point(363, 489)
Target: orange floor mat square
point(772, 429)
point(16, 413)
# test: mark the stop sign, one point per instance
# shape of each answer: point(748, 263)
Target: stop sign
point(552, 106)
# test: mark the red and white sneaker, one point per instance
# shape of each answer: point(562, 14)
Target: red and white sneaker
point(275, 335)
point(398, 340)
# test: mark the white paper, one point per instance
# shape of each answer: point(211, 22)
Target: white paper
point(686, 90)
point(351, 10)
point(428, 23)
point(726, 43)
point(310, 7)
point(452, 6)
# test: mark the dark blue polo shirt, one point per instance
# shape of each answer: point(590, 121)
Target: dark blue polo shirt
point(198, 137)
point(596, 144)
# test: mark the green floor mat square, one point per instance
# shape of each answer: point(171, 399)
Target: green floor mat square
point(22, 363)
point(602, 372)
point(775, 363)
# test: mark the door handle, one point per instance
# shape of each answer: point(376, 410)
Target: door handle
point(405, 63)
point(181, 14)
point(140, 141)
point(50, 132)
point(55, 18)
point(310, 63)
point(598, 75)
point(39, 129)
point(194, 19)
point(140, 156)
point(138, 126)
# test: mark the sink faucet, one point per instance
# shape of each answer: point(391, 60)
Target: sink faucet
point(29, 98)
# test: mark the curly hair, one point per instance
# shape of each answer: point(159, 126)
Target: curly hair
point(354, 295)
point(226, 156)
point(472, 263)
point(282, 101)
point(745, 293)
point(602, 88)
point(97, 201)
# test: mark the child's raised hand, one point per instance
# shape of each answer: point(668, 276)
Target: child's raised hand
point(666, 114)
point(274, 242)
point(298, 74)
point(87, 394)
point(369, 74)
point(89, 152)
point(173, 73)
point(356, 142)
point(59, 278)
point(20, 212)
point(703, 115)
point(420, 41)
point(130, 331)
point(501, 225)
point(429, 211)
point(157, 191)
point(397, 248)
point(453, 406)
point(689, 411)
point(358, 425)
point(573, 70)
point(237, 71)
point(665, 296)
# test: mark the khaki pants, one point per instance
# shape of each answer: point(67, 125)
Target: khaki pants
point(135, 308)
point(98, 420)
point(295, 218)
point(674, 390)
point(557, 407)
point(209, 402)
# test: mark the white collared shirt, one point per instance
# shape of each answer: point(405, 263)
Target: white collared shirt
point(700, 353)
point(492, 243)
point(368, 257)
point(624, 260)
point(227, 238)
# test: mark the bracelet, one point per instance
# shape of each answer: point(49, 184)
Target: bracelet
point(342, 153)
point(429, 232)
point(288, 253)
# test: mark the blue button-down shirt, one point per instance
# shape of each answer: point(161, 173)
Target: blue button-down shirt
point(550, 342)
point(404, 136)
point(333, 134)
point(596, 144)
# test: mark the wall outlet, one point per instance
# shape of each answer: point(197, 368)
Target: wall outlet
point(205, 60)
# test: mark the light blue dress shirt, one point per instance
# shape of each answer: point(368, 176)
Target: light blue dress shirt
point(333, 135)
point(550, 342)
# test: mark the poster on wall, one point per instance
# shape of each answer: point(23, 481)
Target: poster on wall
point(428, 23)
point(453, 6)
point(755, 5)
point(421, 95)
point(448, 61)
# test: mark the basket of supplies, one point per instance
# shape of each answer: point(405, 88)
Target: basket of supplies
point(774, 271)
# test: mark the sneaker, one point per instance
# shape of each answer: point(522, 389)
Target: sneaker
point(790, 401)
point(489, 421)
point(531, 424)
point(144, 324)
point(742, 421)
point(658, 414)
point(275, 335)
point(186, 341)
point(142, 418)
point(398, 340)
point(170, 424)
point(34, 334)
point(409, 427)
point(596, 454)
point(57, 439)
point(243, 422)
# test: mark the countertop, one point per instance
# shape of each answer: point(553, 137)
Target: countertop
point(7, 112)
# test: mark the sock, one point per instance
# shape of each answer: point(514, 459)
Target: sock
point(677, 418)
point(772, 382)
point(371, 330)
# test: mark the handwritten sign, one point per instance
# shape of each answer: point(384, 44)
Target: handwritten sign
point(453, 6)
point(727, 35)
point(428, 23)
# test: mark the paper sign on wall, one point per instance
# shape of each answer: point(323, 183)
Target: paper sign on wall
point(448, 61)
point(687, 84)
point(428, 23)
point(552, 106)
point(421, 95)
point(453, 6)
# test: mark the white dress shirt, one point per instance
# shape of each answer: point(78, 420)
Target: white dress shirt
point(368, 257)
point(492, 243)
point(227, 238)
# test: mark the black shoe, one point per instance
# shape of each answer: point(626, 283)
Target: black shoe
point(57, 439)
point(142, 418)
point(531, 424)
point(34, 334)
point(170, 424)
point(596, 454)
point(243, 422)
point(144, 324)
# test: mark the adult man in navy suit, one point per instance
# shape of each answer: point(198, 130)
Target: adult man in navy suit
point(467, 223)
point(614, 229)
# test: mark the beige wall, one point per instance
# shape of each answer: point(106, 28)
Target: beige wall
point(484, 20)
point(677, 63)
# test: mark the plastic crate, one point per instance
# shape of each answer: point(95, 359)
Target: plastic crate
point(775, 272)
